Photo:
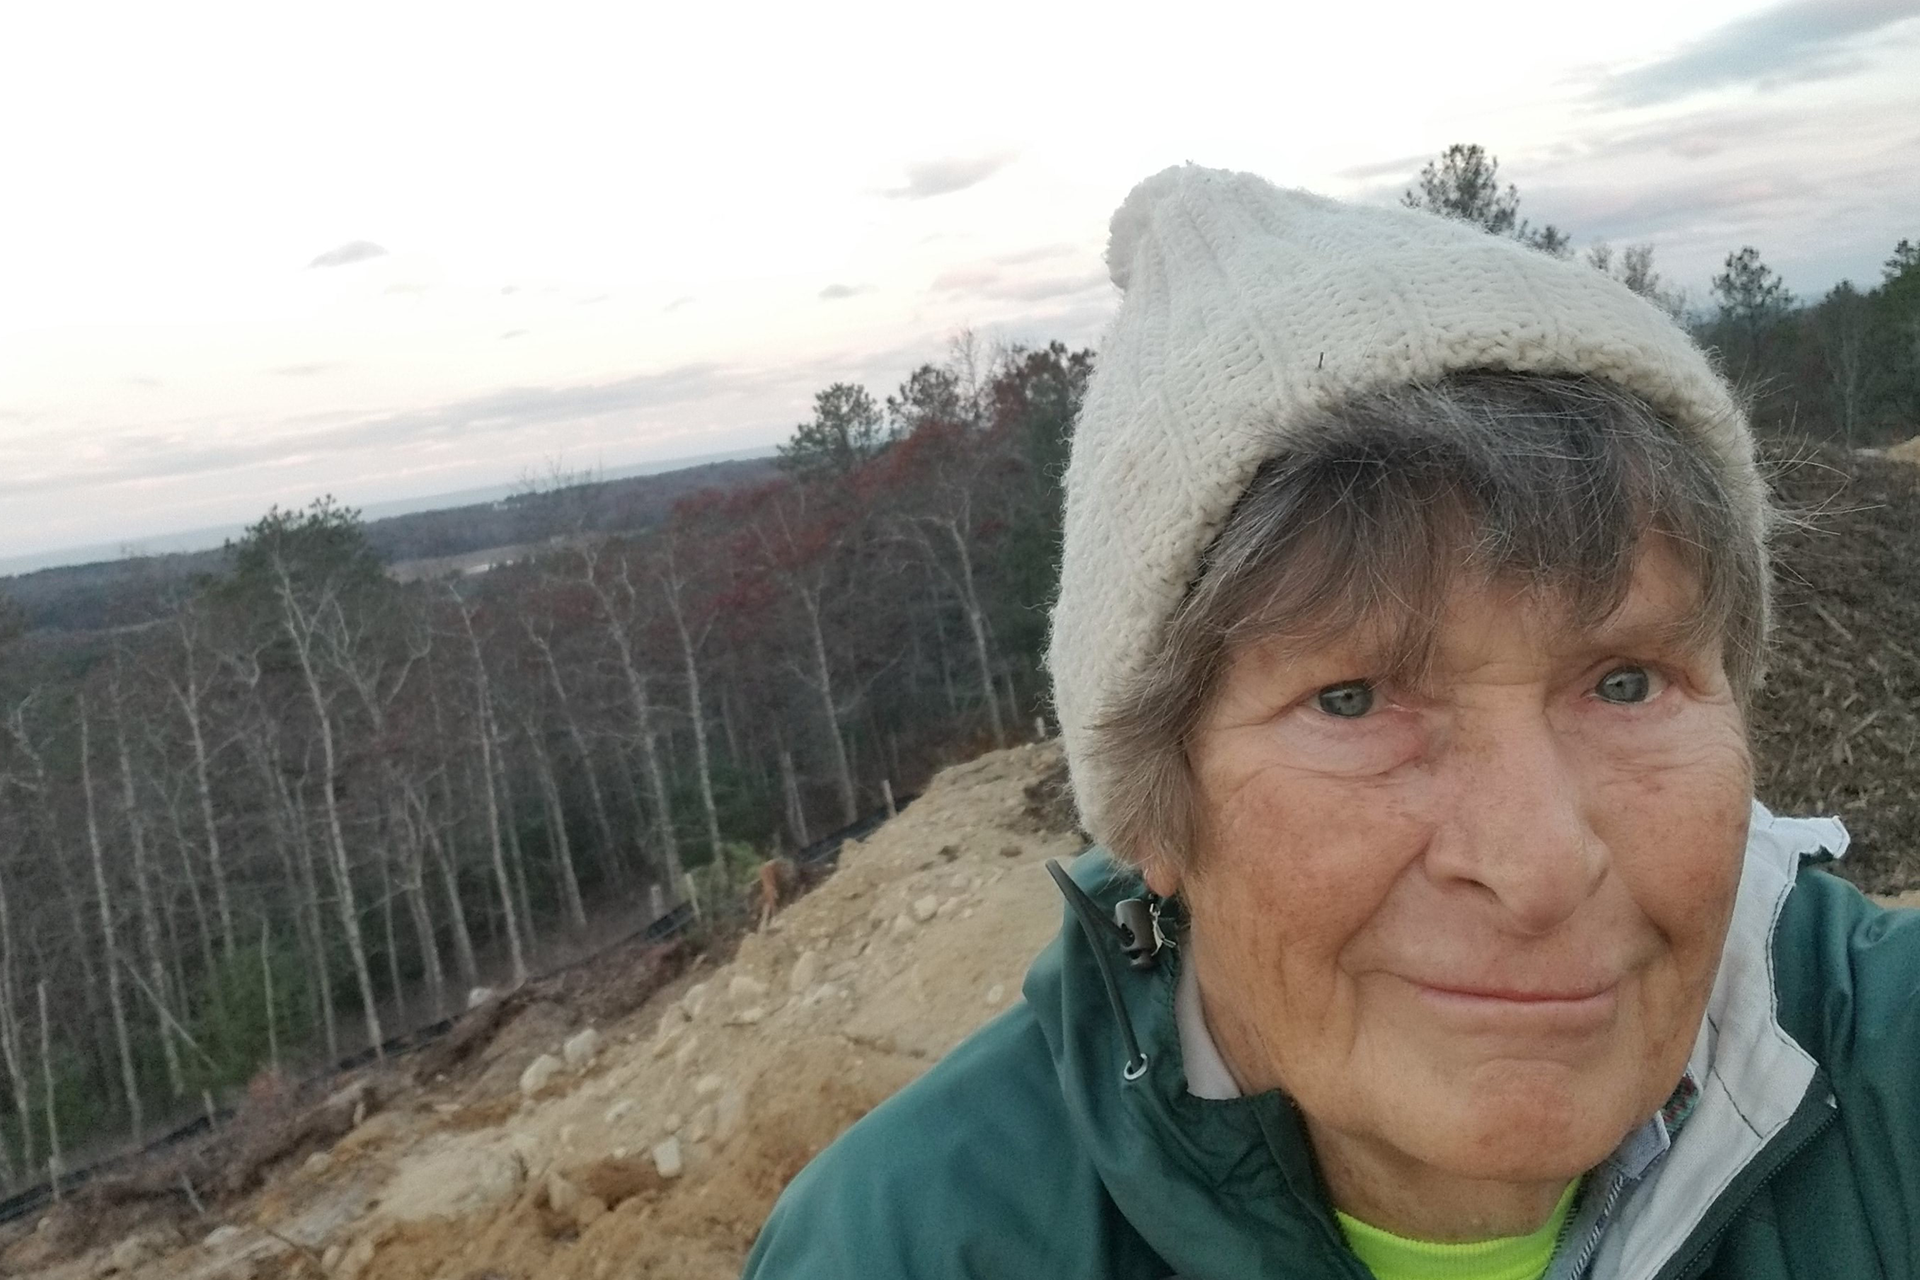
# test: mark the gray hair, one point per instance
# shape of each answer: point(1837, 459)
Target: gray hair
point(1374, 509)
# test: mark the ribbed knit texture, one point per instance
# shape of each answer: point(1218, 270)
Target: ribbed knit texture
point(1392, 1257)
point(1247, 309)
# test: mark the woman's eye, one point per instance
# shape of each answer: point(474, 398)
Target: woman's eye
point(1348, 701)
point(1625, 685)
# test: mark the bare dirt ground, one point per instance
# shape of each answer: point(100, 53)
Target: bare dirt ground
point(736, 1074)
point(1837, 724)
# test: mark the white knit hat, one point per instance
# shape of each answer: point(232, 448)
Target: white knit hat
point(1246, 311)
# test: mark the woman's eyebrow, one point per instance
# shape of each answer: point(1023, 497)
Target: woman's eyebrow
point(1649, 628)
point(1352, 652)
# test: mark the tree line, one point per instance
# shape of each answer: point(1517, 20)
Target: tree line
point(1844, 367)
point(305, 805)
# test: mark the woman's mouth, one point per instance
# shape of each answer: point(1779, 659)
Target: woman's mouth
point(1560, 1007)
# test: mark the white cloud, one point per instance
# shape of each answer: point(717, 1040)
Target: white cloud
point(1787, 43)
point(347, 254)
point(950, 174)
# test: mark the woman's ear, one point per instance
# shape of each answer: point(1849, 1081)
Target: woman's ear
point(1161, 875)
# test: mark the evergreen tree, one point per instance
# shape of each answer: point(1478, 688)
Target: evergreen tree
point(1753, 298)
point(847, 429)
point(1464, 183)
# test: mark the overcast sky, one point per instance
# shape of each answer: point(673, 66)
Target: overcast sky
point(253, 253)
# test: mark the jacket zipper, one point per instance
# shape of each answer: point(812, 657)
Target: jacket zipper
point(1811, 1120)
point(1591, 1245)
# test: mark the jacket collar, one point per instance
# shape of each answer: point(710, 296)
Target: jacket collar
point(1753, 1075)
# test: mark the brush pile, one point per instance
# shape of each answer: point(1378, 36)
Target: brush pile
point(1837, 725)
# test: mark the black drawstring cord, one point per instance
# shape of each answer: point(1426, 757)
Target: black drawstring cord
point(1099, 931)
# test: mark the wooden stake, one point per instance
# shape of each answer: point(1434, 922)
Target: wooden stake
point(266, 985)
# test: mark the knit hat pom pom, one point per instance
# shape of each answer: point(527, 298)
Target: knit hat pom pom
point(1134, 218)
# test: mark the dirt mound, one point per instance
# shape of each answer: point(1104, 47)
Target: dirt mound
point(663, 1157)
point(1837, 726)
point(1906, 451)
point(641, 1224)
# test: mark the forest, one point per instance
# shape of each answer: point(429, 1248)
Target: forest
point(292, 805)
point(306, 805)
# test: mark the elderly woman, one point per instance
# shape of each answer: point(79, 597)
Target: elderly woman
point(1414, 591)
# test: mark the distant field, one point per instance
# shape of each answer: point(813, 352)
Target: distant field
point(468, 562)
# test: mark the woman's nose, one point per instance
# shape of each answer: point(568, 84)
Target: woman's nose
point(1517, 826)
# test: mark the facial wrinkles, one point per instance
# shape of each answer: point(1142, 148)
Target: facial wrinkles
point(1258, 1031)
point(1301, 870)
point(1519, 857)
point(1488, 720)
point(1513, 841)
point(1494, 824)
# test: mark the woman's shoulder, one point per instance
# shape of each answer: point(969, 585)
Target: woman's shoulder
point(1847, 984)
point(971, 1171)
point(1847, 990)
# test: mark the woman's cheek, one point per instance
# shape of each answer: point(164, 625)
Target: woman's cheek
point(1684, 742)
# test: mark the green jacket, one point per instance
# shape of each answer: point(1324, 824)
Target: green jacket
point(1025, 1153)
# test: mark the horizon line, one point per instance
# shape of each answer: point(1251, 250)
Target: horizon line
point(212, 537)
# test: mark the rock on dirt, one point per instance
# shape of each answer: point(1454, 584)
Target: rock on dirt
point(354, 1262)
point(729, 1113)
point(581, 1048)
point(137, 1251)
point(221, 1237)
point(539, 1074)
point(562, 1195)
point(805, 973)
point(1907, 451)
point(745, 991)
point(450, 1179)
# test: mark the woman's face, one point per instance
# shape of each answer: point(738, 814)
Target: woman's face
point(1471, 927)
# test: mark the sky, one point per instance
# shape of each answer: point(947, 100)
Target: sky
point(250, 254)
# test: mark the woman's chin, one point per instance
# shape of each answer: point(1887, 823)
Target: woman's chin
point(1531, 1130)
